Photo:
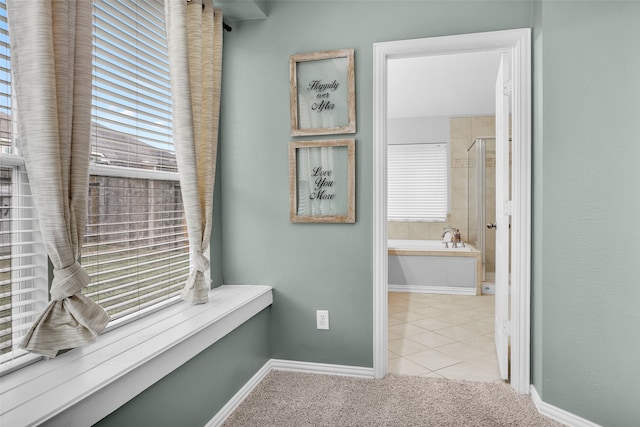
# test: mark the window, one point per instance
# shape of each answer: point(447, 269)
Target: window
point(136, 247)
point(23, 261)
point(417, 182)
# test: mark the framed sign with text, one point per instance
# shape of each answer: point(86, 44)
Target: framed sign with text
point(323, 100)
point(322, 181)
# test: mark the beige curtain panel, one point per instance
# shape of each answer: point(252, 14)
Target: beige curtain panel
point(51, 64)
point(194, 37)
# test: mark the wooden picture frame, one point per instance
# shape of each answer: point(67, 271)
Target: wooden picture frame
point(322, 181)
point(323, 100)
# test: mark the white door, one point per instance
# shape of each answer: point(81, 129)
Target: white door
point(503, 212)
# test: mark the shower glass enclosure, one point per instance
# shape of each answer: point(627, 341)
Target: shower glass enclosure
point(481, 201)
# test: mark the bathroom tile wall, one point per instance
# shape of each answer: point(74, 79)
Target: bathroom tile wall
point(463, 131)
point(416, 230)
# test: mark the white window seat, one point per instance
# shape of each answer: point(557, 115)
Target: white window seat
point(88, 383)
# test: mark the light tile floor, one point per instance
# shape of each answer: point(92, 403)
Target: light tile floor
point(448, 336)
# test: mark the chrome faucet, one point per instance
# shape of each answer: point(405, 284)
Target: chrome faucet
point(451, 232)
point(452, 238)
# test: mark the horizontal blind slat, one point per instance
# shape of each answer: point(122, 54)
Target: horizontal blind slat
point(417, 181)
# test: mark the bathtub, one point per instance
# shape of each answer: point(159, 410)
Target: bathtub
point(425, 245)
point(428, 266)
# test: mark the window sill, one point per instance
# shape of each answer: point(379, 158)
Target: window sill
point(91, 382)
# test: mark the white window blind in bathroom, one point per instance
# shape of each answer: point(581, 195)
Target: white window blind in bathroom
point(417, 188)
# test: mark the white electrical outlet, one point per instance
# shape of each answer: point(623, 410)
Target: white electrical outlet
point(322, 319)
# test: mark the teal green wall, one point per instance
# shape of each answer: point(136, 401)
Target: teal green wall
point(215, 250)
point(536, 198)
point(587, 211)
point(315, 266)
point(192, 394)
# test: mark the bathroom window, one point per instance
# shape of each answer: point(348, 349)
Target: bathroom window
point(417, 182)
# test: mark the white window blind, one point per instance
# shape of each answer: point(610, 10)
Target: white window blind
point(23, 261)
point(6, 125)
point(136, 247)
point(132, 99)
point(417, 183)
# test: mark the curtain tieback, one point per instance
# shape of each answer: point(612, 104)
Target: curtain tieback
point(68, 281)
point(198, 263)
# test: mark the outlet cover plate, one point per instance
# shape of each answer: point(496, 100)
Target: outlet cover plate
point(322, 319)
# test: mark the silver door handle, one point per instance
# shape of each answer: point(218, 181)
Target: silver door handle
point(491, 225)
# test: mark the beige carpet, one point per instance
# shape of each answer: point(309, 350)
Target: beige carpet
point(297, 399)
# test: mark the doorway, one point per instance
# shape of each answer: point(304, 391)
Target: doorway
point(516, 43)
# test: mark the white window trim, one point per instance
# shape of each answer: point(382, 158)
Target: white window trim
point(91, 382)
point(122, 172)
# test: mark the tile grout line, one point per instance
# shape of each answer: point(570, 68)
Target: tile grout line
point(404, 309)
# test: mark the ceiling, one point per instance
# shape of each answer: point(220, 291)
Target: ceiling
point(442, 86)
point(241, 10)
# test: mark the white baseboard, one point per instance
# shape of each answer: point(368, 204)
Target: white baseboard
point(558, 414)
point(284, 365)
point(448, 290)
point(321, 368)
point(237, 399)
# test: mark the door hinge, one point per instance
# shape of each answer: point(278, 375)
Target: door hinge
point(507, 88)
point(507, 208)
point(506, 327)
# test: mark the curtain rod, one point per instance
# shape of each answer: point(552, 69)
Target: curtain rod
point(226, 26)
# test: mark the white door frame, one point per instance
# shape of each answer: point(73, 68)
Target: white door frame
point(518, 42)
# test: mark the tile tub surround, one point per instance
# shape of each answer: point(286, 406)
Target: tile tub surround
point(411, 230)
point(449, 336)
